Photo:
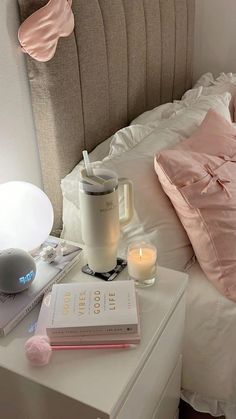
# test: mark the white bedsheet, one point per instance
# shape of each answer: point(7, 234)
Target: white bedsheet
point(209, 359)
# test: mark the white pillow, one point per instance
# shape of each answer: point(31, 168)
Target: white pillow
point(223, 83)
point(205, 80)
point(156, 115)
point(139, 128)
point(192, 104)
point(128, 137)
point(166, 110)
point(155, 218)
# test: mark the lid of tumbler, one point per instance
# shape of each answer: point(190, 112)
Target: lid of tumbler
point(102, 181)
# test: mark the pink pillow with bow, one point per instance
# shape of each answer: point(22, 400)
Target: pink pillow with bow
point(40, 32)
point(199, 176)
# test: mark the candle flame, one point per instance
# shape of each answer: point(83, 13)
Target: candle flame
point(140, 253)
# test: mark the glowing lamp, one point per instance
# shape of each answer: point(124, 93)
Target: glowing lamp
point(26, 216)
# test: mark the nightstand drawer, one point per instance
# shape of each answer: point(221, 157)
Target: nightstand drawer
point(148, 388)
point(169, 403)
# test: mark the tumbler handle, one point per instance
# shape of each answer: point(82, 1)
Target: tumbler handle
point(128, 200)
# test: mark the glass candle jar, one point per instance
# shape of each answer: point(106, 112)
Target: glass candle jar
point(141, 260)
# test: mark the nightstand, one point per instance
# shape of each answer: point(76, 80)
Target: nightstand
point(137, 383)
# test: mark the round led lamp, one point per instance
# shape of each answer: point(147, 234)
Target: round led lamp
point(26, 216)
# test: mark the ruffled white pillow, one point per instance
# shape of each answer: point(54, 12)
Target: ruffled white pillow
point(206, 85)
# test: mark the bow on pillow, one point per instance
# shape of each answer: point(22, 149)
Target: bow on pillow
point(40, 32)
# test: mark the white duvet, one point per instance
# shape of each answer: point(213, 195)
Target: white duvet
point(209, 360)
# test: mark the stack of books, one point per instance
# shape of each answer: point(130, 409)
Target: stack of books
point(90, 313)
point(14, 307)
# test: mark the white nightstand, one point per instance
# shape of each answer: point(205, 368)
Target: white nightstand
point(139, 383)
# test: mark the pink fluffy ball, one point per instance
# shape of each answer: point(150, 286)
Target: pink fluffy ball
point(38, 350)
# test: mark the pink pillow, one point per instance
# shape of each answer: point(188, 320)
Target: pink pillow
point(199, 176)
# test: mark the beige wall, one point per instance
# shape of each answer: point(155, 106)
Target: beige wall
point(18, 150)
point(215, 38)
point(215, 50)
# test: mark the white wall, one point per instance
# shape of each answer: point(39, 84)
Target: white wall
point(18, 150)
point(215, 37)
point(215, 51)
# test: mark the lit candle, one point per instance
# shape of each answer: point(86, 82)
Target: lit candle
point(141, 259)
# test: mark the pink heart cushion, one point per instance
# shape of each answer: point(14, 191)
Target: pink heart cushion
point(199, 176)
point(40, 32)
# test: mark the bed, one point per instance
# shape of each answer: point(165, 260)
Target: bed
point(125, 58)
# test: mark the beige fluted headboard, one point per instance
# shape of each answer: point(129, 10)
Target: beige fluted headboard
point(123, 58)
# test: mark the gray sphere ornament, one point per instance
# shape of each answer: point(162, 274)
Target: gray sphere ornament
point(17, 270)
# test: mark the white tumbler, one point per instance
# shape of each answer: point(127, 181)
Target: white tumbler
point(100, 219)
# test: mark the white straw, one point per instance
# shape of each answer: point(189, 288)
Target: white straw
point(87, 164)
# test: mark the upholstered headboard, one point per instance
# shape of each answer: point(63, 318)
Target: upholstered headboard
point(123, 58)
